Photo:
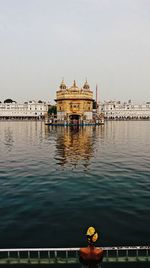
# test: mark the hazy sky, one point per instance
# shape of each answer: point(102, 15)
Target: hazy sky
point(107, 41)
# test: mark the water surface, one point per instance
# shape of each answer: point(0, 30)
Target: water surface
point(55, 182)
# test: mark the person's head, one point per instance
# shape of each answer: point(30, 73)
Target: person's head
point(92, 235)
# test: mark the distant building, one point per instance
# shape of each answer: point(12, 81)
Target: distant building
point(125, 110)
point(74, 104)
point(26, 110)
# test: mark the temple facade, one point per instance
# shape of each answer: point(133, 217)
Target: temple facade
point(74, 104)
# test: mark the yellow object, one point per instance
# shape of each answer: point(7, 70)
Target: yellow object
point(95, 237)
point(90, 231)
point(92, 234)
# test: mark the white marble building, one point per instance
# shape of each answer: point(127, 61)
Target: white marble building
point(30, 109)
point(123, 110)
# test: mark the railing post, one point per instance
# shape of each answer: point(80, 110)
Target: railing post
point(66, 256)
point(77, 257)
point(38, 256)
point(107, 256)
point(117, 255)
point(146, 254)
point(8, 257)
point(49, 256)
point(18, 256)
point(28, 256)
point(55, 254)
point(127, 255)
point(137, 255)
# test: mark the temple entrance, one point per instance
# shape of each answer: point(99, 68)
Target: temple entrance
point(74, 119)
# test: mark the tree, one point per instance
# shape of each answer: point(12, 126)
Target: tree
point(52, 110)
point(8, 101)
point(94, 104)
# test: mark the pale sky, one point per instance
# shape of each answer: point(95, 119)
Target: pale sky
point(105, 41)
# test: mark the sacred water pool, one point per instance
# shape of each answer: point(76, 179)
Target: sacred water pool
point(57, 181)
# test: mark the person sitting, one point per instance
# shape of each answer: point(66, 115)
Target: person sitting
point(91, 256)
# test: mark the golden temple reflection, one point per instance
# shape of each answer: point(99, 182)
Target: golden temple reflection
point(75, 145)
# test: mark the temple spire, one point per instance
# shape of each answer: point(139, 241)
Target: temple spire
point(86, 85)
point(63, 85)
point(74, 84)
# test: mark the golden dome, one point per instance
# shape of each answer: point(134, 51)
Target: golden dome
point(86, 86)
point(74, 87)
point(63, 85)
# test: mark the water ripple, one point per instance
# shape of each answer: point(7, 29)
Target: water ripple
point(57, 181)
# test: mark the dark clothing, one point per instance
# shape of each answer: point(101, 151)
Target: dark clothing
point(89, 263)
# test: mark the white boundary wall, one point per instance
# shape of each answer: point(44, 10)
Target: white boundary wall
point(116, 109)
point(27, 109)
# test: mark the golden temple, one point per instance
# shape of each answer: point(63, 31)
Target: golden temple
point(74, 104)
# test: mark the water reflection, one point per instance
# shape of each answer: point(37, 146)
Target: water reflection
point(18, 138)
point(9, 140)
point(75, 145)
